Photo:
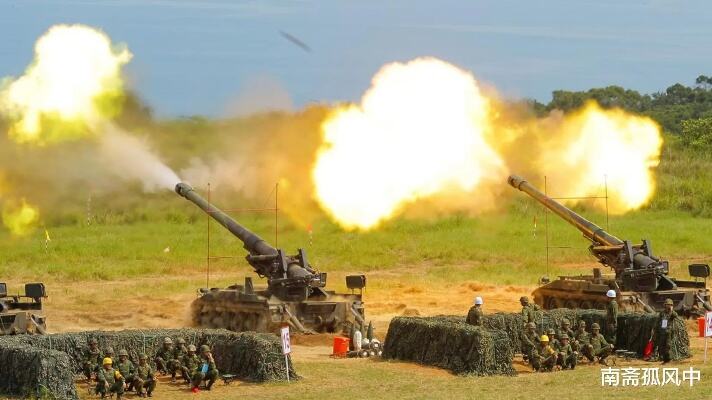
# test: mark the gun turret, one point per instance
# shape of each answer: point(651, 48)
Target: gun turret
point(288, 276)
point(635, 266)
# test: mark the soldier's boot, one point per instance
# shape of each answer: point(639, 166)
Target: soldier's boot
point(211, 381)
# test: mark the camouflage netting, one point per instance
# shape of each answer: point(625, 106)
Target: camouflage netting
point(447, 343)
point(249, 356)
point(35, 372)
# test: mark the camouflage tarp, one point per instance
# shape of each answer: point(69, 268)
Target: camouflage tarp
point(449, 344)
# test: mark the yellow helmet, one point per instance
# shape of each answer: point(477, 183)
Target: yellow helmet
point(108, 361)
point(544, 338)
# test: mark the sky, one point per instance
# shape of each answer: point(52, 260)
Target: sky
point(226, 57)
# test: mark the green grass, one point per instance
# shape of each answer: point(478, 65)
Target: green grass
point(498, 248)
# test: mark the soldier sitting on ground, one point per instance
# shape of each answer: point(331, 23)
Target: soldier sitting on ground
point(109, 353)
point(553, 341)
point(109, 380)
point(582, 338)
point(528, 310)
point(126, 368)
point(91, 360)
point(475, 315)
point(597, 346)
point(190, 363)
point(206, 371)
point(566, 329)
point(530, 341)
point(544, 358)
point(145, 381)
point(567, 357)
point(177, 358)
point(164, 356)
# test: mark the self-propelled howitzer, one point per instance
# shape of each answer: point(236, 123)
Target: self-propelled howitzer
point(640, 277)
point(294, 295)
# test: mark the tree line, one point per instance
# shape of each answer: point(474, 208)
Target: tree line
point(685, 111)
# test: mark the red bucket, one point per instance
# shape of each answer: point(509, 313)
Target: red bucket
point(341, 346)
point(701, 326)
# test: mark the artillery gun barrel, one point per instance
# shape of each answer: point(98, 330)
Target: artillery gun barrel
point(253, 243)
point(590, 230)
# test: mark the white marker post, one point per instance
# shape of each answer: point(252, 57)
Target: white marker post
point(286, 347)
point(708, 330)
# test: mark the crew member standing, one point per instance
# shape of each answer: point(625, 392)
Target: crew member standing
point(527, 310)
point(611, 316)
point(664, 334)
point(475, 315)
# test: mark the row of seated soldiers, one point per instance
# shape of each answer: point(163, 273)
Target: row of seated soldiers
point(546, 351)
point(124, 375)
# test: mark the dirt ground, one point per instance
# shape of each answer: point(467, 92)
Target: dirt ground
point(77, 306)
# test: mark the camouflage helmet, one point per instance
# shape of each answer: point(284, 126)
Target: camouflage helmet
point(524, 299)
point(181, 340)
point(93, 341)
point(142, 356)
point(531, 325)
point(167, 340)
point(582, 324)
point(565, 322)
point(109, 350)
point(191, 348)
point(668, 302)
point(564, 337)
point(204, 348)
point(552, 332)
point(123, 352)
point(595, 326)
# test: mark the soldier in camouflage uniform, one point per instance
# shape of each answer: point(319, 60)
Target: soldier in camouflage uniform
point(475, 315)
point(91, 360)
point(566, 329)
point(544, 358)
point(126, 368)
point(663, 334)
point(597, 346)
point(190, 364)
point(164, 356)
point(206, 371)
point(528, 310)
point(611, 316)
point(109, 380)
point(553, 341)
point(530, 341)
point(177, 358)
point(567, 357)
point(145, 382)
point(582, 338)
point(109, 353)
